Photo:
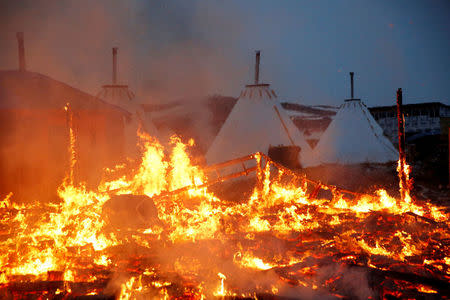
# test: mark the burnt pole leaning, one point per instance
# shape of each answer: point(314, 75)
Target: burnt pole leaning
point(401, 144)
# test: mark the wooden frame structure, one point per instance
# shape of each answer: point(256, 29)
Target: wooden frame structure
point(215, 171)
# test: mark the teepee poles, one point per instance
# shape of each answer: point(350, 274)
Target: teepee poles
point(284, 125)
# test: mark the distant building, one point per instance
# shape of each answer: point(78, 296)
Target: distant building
point(421, 119)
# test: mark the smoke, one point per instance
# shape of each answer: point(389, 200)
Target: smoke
point(204, 260)
point(353, 282)
point(364, 178)
point(167, 50)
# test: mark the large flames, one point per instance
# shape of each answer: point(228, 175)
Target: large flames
point(280, 239)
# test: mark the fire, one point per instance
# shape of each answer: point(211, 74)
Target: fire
point(221, 291)
point(280, 227)
point(127, 289)
point(403, 170)
point(424, 289)
point(249, 261)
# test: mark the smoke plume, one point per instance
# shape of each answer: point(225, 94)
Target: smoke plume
point(167, 50)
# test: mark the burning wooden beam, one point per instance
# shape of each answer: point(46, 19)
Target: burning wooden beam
point(401, 143)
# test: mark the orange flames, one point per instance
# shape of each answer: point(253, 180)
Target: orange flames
point(278, 228)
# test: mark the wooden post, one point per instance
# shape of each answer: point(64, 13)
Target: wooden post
point(71, 148)
point(401, 143)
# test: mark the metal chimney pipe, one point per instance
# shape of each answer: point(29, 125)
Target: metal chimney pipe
point(21, 48)
point(114, 75)
point(258, 55)
point(351, 83)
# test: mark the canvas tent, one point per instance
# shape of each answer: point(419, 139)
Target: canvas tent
point(354, 137)
point(37, 116)
point(120, 95)
point(256, 122)
point(34, 134)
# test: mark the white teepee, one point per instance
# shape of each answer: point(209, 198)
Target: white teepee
point(354, 137)
point(121, 96)
point(256, 122)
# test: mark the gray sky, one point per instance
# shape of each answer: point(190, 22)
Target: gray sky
point(174, 49)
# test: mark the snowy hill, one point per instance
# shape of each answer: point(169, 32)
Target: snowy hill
point(311, 120)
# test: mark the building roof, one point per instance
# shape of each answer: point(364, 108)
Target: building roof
point(408, 106)
point(30, 90)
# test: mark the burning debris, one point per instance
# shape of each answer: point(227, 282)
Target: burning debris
point(156, 230)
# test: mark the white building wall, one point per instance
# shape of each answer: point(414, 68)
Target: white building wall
point(424, 120)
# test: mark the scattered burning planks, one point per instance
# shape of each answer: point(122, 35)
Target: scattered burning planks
point(284, 239)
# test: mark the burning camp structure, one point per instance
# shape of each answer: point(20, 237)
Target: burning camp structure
point(258, 123)
point(34, 132)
